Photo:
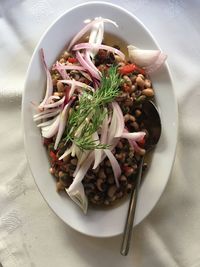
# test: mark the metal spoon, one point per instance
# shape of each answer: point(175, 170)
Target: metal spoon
point(152, 122)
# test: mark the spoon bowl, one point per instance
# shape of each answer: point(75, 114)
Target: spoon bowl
point(152, 123)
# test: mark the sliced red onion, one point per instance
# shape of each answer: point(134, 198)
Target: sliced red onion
point(96, 84)
point(45, 112)
point(87, 28)
point(77, 83)
point(85, 64)
point(97, 152)
point(136, 136)
point(52, 97)
point(67, 152)
point(55, 104)
point(150, 59)
point(86, 75)
point(49, 86)
point(103, 140)
point(81, 172)
point(47, 115)
point(72, 89)
point(82, 157)
point(91, 64)
point(115, 165)
point(78, 152)
point(96, 37)
point(59, 67)
point(69, 67)
point(73, 154)
point(156, 65)
point(99, 46)
point(79, 197)
point(50, 131)
point(136, 147)
point(120, 117)
point(62, 124)
point(104, 129)
point(112, 128)
point(46, 123)
point(133, 142)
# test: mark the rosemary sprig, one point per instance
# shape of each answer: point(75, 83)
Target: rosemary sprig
point(87, 118)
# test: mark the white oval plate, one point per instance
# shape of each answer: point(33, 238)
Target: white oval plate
point(110, 222)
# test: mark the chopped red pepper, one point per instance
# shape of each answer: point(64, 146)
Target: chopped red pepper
point(130, 68)
point(53, 156)
point(72, 60)
point(141, 142)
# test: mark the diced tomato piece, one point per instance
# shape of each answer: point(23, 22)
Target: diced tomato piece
point(126, 87)
point(141, 142)
point(53, 156)
point(72, 60)
point(130, 68)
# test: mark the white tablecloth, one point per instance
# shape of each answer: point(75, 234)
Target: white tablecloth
point(30, 233)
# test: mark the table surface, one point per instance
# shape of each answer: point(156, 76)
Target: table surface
point(30, 233)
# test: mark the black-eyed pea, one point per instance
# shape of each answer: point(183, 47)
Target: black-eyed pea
point(140, 81)
point(126, 117)
point(96, 197)
point(113, 198)
point(62, 60)
point(101, 174)
point(138, 113)
point(129, 188)
point(129, 171)
point(127, 80)
point(60, 186)
point(66, 55)
point(148, 92)
point(60, 94)
point(111, 191)
point(132, 118)
point(135, 125)
point(121, 64)
point(141, 151)
point(118, 58)
point(100, 184)
point(141, 75)
point(120, 194)
point(74, 161)
point(133, 88)
point(111, 179)
point(52, 170)
point(60, 86)
point(141, 99)
point(123, 180)
point(147, 83)
point(133, 78)
point(54, 81)
point(119, 145)
point(66, 158)
point(60, 174)
point(106, 202)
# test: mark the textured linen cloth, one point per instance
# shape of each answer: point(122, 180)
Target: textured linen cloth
point(30, 233)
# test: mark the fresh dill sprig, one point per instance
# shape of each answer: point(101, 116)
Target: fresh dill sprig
point(87, 118)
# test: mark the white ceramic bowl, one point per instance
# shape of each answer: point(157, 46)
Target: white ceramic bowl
point(110, 222)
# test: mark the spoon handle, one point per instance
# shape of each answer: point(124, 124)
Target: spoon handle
point(131, 213)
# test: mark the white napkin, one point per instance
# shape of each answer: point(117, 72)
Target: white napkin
point(30, 233)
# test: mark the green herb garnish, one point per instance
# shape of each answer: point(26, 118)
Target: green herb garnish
point(87, 118)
